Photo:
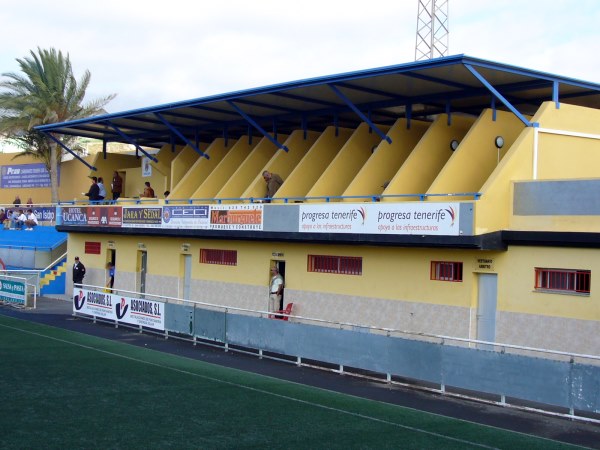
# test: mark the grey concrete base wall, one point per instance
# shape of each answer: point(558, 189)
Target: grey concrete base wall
point(556, 333)
point(384, 313)
point(546, 381)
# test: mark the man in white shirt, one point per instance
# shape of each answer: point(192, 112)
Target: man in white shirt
point(275, 290)
point(18, 219)
point(31, 220)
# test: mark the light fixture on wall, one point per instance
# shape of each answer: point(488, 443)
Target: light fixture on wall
point(499, 143)
point(454, 144)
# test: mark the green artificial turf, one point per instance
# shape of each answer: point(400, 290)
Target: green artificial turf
point(67, 390)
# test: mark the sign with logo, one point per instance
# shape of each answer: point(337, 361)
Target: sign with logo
point(13, 292)
point(146, 167)
point(26, 176)
point(111, 216)
point(397, 218)
point(74, 215)
point(236, 217)
point(186, 216)
point(134, 311)
point(142, 217)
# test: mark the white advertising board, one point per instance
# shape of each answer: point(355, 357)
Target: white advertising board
point(380, 218)
point(134, 311)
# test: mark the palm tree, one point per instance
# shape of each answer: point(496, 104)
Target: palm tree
point(45, 92)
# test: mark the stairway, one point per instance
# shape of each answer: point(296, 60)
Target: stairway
point(53, 280)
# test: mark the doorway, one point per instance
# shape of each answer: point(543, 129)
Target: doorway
point(111, 257)
point(185, 276)
point(487, 299)
point(142, 268)
point(280, 265)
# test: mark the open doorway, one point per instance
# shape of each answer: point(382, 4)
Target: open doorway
point(280, 265)
point(111, 265)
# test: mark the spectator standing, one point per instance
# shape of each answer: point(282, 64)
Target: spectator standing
point(17, 201)
point(275, 290)
point(31, 220)
point(78, 272)
point(274, 182)
point(117, 185)
point(101, 189)
point(29, 203)
point(94, 191)
point(148, 191)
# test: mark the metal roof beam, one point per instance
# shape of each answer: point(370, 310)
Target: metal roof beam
point(69, 150)
point(257, 126)
point(499, 96)
point(181, 136)
point(130, 140)
point(346, 100)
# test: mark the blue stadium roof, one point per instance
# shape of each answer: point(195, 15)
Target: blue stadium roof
point(454, 84)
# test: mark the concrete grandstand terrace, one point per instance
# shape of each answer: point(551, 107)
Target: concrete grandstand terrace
point(58, 313)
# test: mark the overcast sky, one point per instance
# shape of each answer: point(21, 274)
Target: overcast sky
point(153, 52)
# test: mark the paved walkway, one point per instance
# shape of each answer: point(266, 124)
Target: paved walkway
point(58, 312)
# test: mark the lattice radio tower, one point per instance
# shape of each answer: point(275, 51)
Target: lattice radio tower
point(432, 29)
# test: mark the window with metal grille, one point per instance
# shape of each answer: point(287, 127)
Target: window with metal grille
point(216, 256)
point(347, 265)
point(446, 271)
point(92, 248)
point(565, 280)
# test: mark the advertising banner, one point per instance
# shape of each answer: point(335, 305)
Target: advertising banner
point(376, 218)
point(74, 215)
point(26, 176)
point(45, 215)
point(110, 216)
point(12, 292)
point(236, 217)
point(142, 217)
point(134, 311)
point(186, 216)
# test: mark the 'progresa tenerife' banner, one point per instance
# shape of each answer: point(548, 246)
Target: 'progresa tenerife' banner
point(378, 218)
point(134, 311)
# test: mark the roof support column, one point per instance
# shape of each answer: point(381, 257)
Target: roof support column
point(75, 155)
point(498, 95)
point(555, 94)
point(257, 126)
point(130, 140)
point(353, 107)
point(180, 135)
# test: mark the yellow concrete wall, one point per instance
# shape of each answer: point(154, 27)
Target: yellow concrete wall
point(227, 166)
point(165, 157)
point(516, 293)
point(180, 166)
point(282, 163)
point(395, 274)
point(386, 159)
point(347, 163)
point(253, 164)
point(314, 163)
point(577, 158)
point(477, 156)
point(197, 173)
point(428, 157)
